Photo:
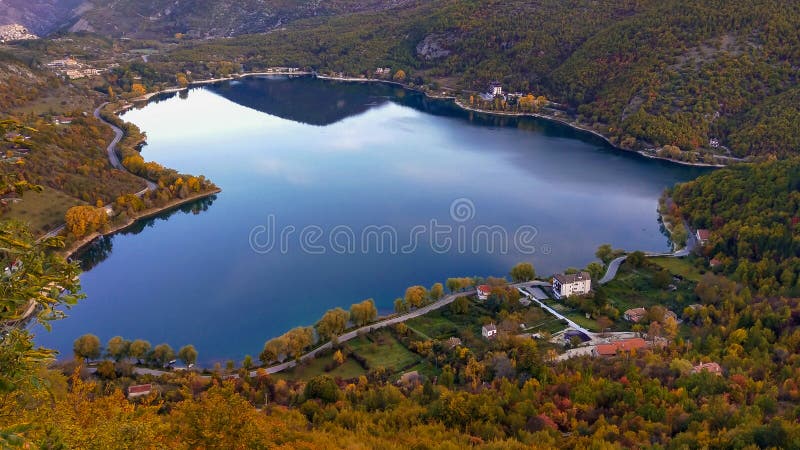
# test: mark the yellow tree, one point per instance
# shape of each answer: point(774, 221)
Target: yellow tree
point(138, 89)
point(181, 79)
point(416, 296)
point(364, 312)
point(400, 75)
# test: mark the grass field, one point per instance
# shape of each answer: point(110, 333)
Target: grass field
point(350, 369)
point(42, 211)
point(383, 351)
point(679, 266)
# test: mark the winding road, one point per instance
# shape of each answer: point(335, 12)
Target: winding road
point(613, 266)
point(113, 159)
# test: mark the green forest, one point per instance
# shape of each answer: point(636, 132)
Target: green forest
point(753, 214)
point(645, 73)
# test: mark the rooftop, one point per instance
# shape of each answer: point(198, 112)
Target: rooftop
point(572, 277)
point(625, 345)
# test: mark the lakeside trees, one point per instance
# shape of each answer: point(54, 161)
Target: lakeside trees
point(83, 220)
point(364, 312)
point(523, 272)
point(87, 347)
point(333, 323)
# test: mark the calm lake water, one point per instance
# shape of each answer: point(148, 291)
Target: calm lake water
point(333, 193)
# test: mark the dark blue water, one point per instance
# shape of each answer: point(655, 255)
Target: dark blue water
point(337, 168)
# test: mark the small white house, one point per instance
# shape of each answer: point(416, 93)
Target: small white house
point(489, 331)
point(495, 88)
point(572, 284)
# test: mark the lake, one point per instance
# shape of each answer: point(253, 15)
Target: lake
point(336, 192)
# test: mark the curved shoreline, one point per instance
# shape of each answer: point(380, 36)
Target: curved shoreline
point(76, 246)
point(454, 99)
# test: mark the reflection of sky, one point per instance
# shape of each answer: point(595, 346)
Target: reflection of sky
point(194, 278)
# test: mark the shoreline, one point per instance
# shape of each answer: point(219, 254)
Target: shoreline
point(455, 100)
point(75, 247)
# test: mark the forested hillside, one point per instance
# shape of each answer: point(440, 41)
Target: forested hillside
point(753, 213)
point(645, 73)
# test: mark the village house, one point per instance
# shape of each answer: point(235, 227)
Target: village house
point(453, 342)
point(572, 284)
point(615, 348)
point(62, 120)
point(484, 291)
point(139, 390)
point(710, 367)
point(489, 331)
point(714, 262)
point(702, 236)
point(409, 378)
point(635, 315)
point(495, 88)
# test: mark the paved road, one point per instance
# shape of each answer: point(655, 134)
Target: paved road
point(611, 272)
point(367, 328)
point(613, 266)
point(113, 157)
point(557, 314)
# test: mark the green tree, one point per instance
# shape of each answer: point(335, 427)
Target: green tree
point(117, 348)
point(364, 312)
point(661, 279)
point(333, 323)
point(322, 388)
point(523, 272)
point(297, 339)
point(163, 354)
point(247, 363)
point(273, 350)
point(139, 349)
point(107, 370)
point(87, 347)
point(635, 259)
point(604, 253)
point(460, 305)
point(188, 354)
point(400, 306)
point(453, 284)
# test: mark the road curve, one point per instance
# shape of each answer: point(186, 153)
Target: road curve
point(113, 157)
point(613, 266)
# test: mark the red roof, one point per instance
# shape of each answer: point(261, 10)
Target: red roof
point(140, 388)
point(625, 345)
point(702, 234)
point(484, 289)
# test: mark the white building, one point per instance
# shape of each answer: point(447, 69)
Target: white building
point(495, 89)
point(484, 291)
point(489, 331)
point(573, 284)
